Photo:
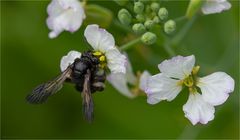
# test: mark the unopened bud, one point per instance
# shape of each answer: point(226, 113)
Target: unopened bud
point(124, 16)
point(140, 18)
point(149, 24)
point(170, 26)
point(138, 7)
point(163, 13)
point(138, 28)
point(156, 19)
point(148, 38)
point(155, 6)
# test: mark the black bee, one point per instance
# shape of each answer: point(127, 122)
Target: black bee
point(86, 73)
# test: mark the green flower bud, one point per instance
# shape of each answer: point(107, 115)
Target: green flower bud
point(149, 24)
point(138, 7)
point(169, 26)
point(121, 2)
point(156, 19)
point(124, 16)
point(138, 28)
point(140, 18)
point(163, 13)
point(148, 38)
point(155, 6)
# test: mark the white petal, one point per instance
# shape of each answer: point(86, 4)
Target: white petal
point(116, 61)
point(177, 67)
point(69, 59)
point(160, 87)
point(99, 38)
point(118, 80)
point(216, 87)
point(143, 80)
point(215, 6)
point(130, 76)
point(197, 110)
point(64, 15)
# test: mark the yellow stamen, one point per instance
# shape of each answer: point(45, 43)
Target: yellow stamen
point(188, 81)
point(102, 58)
point(97, 53)
point(195, 70)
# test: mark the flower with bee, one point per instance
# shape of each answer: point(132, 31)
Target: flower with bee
point(86, 70)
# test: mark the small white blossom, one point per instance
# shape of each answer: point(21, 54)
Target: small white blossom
point(103, 41)
point(215, 6)
point(64, 15)
point(120, 81)
point(180, 71)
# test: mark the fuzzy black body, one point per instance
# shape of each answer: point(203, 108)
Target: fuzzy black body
point(80, 67)
point(75, 73)
point(87, 75)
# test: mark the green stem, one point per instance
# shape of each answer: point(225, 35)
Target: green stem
point(169, 49)
point(179, 37)
point(121, 26)
point(180, 18)
point(130, 44)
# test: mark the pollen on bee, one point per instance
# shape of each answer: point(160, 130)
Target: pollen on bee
point(102, 58)
point(97, 53)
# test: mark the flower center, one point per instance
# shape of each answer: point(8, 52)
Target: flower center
point(191, 80)
point(102, 58)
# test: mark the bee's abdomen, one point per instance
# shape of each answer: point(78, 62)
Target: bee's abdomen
point(98, 80)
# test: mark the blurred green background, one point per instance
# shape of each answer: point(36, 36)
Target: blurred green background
point(29, 57)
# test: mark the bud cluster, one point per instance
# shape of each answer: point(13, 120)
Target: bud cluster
point(144, 16)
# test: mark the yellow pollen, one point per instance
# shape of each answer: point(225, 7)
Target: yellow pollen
point(102, 58)
point(97, 53)
point(188, 81)
point(195, 70)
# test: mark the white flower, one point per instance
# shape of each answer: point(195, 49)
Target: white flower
point(215, 6)
point(64, 15)
point(69, 59)
point(120, 81)
point(103, 41)
point(180, 71)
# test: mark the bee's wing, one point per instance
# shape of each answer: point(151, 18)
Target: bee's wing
point(42, 92)
point(87, 98)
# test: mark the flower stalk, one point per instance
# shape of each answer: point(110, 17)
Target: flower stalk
point(182, 33)
point(130, 44)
